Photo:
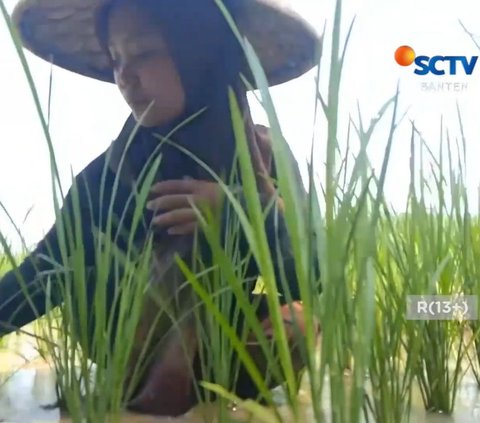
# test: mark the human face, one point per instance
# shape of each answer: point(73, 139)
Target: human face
point(143, 68)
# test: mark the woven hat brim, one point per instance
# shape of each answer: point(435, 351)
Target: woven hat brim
point(63, 32)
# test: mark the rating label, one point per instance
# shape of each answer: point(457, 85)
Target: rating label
point(442, 307)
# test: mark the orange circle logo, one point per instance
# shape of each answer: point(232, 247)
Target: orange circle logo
point(404, 55)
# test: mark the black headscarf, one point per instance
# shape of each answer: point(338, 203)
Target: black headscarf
point(208, 58)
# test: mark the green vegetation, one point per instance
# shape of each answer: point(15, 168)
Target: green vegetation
point(371, 259)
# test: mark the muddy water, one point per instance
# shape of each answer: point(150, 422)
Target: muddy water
point(27, 385)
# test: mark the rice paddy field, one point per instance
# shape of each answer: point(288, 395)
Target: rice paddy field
point(371, 364)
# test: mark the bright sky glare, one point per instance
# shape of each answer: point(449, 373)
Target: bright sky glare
point(87, 115)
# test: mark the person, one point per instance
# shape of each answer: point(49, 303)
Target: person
point(171, 60)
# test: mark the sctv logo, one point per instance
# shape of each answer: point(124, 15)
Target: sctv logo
point(437, 65)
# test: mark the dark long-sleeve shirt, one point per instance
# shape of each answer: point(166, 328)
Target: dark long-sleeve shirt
point(94, 196)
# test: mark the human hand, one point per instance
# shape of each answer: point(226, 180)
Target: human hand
point(174, 203)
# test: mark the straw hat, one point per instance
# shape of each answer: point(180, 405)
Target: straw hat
point(63, 31)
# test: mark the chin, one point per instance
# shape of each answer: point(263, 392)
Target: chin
point(148, 120)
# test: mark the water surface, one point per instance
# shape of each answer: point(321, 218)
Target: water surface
point(27, 384)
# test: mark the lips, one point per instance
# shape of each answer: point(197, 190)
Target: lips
point(132, 97)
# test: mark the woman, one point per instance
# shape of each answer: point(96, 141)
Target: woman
point(170, 59)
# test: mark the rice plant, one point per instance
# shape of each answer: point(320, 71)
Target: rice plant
point(370, 258)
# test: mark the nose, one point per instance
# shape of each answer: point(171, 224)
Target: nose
point(125, 76)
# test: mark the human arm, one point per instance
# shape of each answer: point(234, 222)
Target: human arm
point(23, 289)
point(173, 204)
